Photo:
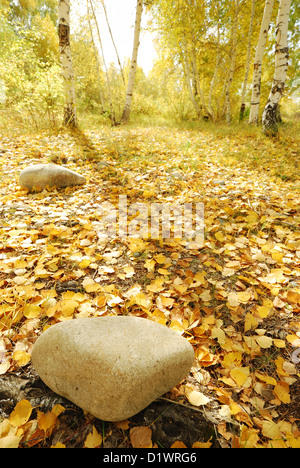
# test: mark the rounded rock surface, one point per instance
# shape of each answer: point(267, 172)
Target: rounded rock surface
point(40, 176)
point(114, 366)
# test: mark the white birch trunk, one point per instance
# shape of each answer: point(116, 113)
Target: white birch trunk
point(131, 78)
point(243, 104)
point(232, 63)
point(214, 78)
point(256, 81)
point(70, 117)
point(269, 117)
point(188, 82)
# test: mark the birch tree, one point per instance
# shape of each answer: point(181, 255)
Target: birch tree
point(112, 39)
point(232, 61)
point(132, 72)
point(112, 113)
point(96, 57)
point(269, 117)
point(257, 68)
point(70, 117)
point(243, 104)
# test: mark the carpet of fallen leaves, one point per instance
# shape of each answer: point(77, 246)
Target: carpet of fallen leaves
point(236, 299)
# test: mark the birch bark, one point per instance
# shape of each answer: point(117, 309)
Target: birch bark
point(132, 72)
point(269, 117)
point(243, 104)
point(232, 62)
point(70, 117)
point(188, 82)
point(257, 68)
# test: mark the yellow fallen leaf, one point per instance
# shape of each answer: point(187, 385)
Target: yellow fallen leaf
point(156, 285)
point(46, 421)
point(167, 301)
point(31, 311)
point(21, 413)
point(205, 358)
point(276, 276)
point(232, 359)
point(293, 297)
point(233, 299)
point(240, 375)
point(264, 341)
point(282, 391)
point(263, 311)
point(10, 441)
point(244, 296)
point(294, 340)
point(250, 322)
point(129, 270)
point(252, 217)
point(57, 409)
point(58, 445)
point(177, 326)
point(206, 296)
point(21, 357)
point(219, 334)
point(219, 236)
point(141, 300)
point(201, 445)
point(93, 440)
point(277, 256)
point(279, 343)
point(163, 271)
point(178, 444)
point(90, 285)
point(228, 271)
point(150, 264)
point(271, 430)
point(137, 245)
point(235, 408)
point(68, 307)
point(266, 378)
point(84, 263)
point(248, 437)
point(160, 258)
point(279, 361)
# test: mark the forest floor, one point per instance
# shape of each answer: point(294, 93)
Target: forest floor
point(236, 298)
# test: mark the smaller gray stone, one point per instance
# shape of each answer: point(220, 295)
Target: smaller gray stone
point(39, 176)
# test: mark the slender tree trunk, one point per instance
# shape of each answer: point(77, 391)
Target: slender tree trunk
point(132, 72)
point(96, 58)
point(112, 39)
point(232, 63)
point(70, 117)
point(112, 116)
point(256, 81)
point(189, 86)
point(200, 92)
point(269, 117)
point(243, 104)
point(214, 78)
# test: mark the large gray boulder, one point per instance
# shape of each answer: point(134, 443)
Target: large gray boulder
point(112, 367)
point(39, 176)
